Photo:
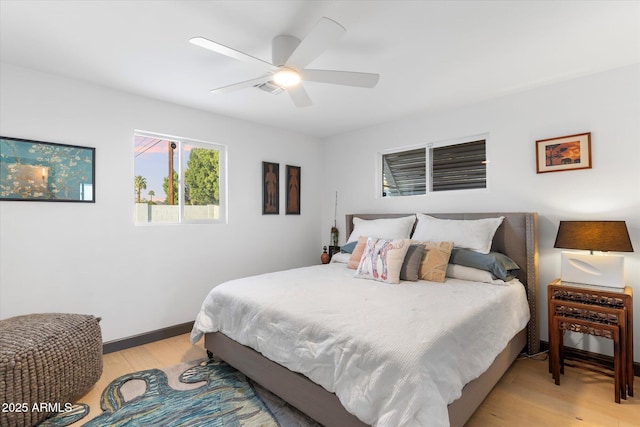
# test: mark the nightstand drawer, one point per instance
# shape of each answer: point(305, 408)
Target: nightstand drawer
point(594, 313)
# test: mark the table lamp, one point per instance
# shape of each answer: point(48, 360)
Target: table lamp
point(593, 269)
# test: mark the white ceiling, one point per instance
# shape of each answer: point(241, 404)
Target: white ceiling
point(431, 55)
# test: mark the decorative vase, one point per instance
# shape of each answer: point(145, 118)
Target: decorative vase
point(325, 256)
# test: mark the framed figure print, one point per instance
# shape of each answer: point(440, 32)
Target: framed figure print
point(270, 188)
point(46, 171)
point(293, 190)
point(564, 153)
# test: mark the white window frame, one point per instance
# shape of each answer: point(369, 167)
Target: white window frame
point(428, 171)
point(181, 166)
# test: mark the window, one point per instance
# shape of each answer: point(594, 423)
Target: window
point(459, 166)
point(453, 165)
point(404, 173)
point(196, 191)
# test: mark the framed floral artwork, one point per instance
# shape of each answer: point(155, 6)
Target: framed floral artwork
point(564, 153)
point(46, 171)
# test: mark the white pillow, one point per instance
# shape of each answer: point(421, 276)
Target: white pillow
point(474, 234)
point(383, 228)
point(456, 271)
point(341, 257)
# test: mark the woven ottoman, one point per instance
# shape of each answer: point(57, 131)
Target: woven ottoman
point(46, 362)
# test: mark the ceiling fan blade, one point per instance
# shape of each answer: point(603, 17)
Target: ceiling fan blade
point(242, 85)
point(231, 53)
point(299, 96)
point(317, 41)
point(282, 47)
point(347, 78)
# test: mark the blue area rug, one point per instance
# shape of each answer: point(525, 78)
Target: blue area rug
point(209, 393)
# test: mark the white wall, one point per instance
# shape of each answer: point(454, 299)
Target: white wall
point(606, 104)
point(90, 258)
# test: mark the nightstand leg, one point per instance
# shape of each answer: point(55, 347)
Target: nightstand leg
point(552, 345)
point(561, 350)
point(622, 334)
point(555, 351)
point(550, 313)
point(616, 363)
point(629, 343)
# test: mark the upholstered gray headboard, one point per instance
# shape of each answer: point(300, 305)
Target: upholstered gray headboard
point(517, 237)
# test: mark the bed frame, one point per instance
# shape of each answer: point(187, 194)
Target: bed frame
point(516, 237)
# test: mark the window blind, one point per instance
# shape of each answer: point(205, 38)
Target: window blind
point(459, 166)
point(404, 173)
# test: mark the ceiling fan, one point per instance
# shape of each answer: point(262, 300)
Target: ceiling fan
point(290, 56)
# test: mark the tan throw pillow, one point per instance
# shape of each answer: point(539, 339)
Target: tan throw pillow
point(435, 261)
point(357, 253)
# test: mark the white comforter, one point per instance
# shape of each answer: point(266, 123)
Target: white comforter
point(395, 355)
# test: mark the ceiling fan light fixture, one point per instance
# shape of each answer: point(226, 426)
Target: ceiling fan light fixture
point(286, 77)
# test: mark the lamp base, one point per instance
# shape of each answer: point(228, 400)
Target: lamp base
point(601, 270)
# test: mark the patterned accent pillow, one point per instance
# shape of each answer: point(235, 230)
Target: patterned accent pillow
point(357, 253)
point(434, 264)
point(382, 259)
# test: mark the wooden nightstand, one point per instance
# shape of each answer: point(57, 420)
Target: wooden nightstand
point(594, 310)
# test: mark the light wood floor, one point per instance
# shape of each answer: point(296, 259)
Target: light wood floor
point(525, 397)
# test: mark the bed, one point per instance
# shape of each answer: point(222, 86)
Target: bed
point(329, 362)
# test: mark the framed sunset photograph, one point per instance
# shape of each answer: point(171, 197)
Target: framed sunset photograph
point(564, 153)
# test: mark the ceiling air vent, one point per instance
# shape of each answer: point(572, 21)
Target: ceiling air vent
point(270, 87)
